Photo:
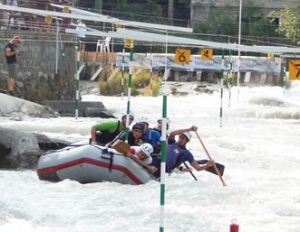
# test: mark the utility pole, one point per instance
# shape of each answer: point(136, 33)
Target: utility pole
point(98, 6)
point(208, 4)
point(170, 11)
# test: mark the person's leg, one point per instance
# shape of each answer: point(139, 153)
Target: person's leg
point(12, 73)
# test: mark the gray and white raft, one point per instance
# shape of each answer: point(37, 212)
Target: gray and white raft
point(91, 163)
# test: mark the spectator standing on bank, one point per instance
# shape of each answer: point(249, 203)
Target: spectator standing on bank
point(11, 52)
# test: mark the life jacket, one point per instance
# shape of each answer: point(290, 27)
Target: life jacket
point(105, 137)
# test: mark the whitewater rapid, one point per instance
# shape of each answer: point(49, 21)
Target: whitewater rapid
point(258, 144)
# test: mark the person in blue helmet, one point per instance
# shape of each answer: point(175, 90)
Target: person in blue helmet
point(177, 153)
point(151, 136)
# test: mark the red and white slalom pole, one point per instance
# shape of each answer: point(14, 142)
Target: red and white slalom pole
point(234, 227)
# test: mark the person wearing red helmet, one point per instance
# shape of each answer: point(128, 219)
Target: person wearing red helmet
point(11, 52)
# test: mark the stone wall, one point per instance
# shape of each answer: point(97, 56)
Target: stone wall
point(37, 79)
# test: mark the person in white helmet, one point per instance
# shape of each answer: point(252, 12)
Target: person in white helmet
point(143, 153)
point(178, 154)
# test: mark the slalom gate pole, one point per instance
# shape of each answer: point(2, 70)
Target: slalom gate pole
point(221, 96)
point(77, 100)
point(229, 79)
point(129, 93)
point(123, 70)
point(239, 51)
point(163, 146)
point(151, 70)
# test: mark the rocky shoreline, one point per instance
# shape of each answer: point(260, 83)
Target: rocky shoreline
point(22, 149)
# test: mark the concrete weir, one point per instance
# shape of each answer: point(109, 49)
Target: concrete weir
point(86, 108)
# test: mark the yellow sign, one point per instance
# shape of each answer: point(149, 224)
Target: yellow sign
point(118, 25)
point(48, 19)
point(270, 56)
point(182, 56)
point(206, 54)
point(294, 69)
point(66, 9)
point(128, 43)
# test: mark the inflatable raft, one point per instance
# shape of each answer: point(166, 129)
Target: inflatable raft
point(91, 163)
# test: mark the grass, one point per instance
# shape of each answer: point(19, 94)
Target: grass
point(143, 83)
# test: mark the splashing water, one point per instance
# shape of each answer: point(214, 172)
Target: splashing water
point(258, 144)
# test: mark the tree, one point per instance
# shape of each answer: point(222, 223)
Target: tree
point(132, 10)
point(224, 24)
point(290, 23)
point(219, 22)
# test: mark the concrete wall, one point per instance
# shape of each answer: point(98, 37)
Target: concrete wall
point(37, 79)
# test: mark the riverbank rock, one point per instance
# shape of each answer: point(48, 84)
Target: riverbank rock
point(22, 149)
point(17, 108)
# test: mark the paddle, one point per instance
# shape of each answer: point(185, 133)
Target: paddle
point(215, 166)
point(220, 167)
point(115, 139)
point(192, 174)
point(121, 147)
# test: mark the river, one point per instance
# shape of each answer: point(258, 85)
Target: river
point(258, 143)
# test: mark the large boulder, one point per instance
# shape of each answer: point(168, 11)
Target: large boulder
point(22, 149)
point(15, 107)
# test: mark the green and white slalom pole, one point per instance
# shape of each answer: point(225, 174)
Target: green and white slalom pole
point(129, 93)
point(123, 70)
point(222, 85)
point(77, 100)
point(163, 147)
point(229, 80)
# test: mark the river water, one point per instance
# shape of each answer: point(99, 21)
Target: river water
point(258, 144)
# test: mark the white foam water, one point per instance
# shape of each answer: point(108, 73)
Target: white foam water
point(258, 146)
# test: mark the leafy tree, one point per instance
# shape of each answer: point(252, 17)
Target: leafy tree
point(137, 11)
point(290, 23)
point(219, 22)
point(222, 22)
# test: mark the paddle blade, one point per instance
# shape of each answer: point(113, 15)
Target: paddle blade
point(121, 147)
point(220, 167)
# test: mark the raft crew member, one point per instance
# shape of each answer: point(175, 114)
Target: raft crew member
point(158, 127)
point(178, 154)
point(143, 153)
point(151, 136)
point(135, 135)
point(106, 131)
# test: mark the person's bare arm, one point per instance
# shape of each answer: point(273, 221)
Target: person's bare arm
point(180, 131)
point(93, 134)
